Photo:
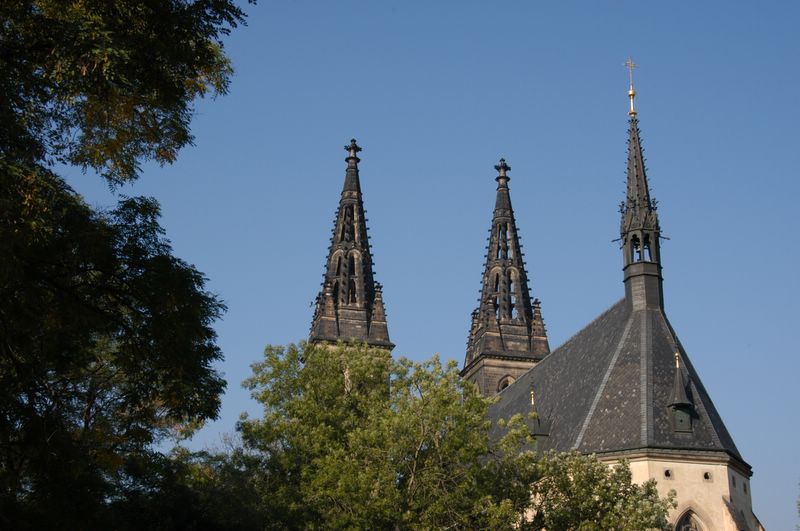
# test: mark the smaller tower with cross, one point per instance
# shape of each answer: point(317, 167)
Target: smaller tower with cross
point(507, 336)
point(350, 305)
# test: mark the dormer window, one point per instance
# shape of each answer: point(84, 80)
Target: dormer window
point(682, 419)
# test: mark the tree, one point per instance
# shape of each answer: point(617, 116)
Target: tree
point(106, 344)
point(579, 492)
point(188, 491)
point(107, 347)
point(351, 439)
point(106, 85)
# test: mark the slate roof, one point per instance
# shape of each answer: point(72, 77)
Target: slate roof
point(608, 389)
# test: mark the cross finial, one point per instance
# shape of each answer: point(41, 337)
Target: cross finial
point(631, 91)
point(631, 65)
point(502, 169)
point(352, 150)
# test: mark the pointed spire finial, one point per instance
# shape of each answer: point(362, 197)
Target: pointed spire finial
point(631, 91)
point(502, 169)
point(352, 150)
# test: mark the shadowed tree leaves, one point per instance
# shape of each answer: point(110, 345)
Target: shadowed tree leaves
point(106, 344)
point(107, 347)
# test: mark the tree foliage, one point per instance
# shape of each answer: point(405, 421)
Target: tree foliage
point(575, 491)
point(190, 491)
point(106, 344)
point(351, 439)
point(106, 348)
point(107, 85)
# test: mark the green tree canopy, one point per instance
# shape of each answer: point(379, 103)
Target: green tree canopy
point(107, 85)
point(351, 439)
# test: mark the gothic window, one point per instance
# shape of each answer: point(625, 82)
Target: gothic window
point(502, 241)
point(348, 228)
point(648, 256)
point(504, 382)
point(689, 522)
point(512, 290)
point(335, 292)
point(351, 292)
point(497, 296)
point(351, 265)
point(339, 265)
point(636, 249)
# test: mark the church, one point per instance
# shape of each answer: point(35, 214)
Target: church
point(623, 387)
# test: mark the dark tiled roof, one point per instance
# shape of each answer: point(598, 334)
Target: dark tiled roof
point(608, 389)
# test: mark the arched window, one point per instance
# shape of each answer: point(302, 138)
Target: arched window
point(636, 249)
point(351, 292)
point(502, 241)
point(348, 228)
point(512, 290)
point(505, 381)
point(646, 246)
point(338, 265)
point(689, 522)
point(351, 265)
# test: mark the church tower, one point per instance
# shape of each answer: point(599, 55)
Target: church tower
point(350, 305)
point(624, 387)
point(639, 228)
point(507, 335)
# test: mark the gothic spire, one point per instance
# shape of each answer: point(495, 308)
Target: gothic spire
point(350, 305)
point(640, 231)
point(507, 336)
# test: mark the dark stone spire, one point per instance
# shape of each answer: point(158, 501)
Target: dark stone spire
point(639, 230)
point(350, 305)
point(507, 336)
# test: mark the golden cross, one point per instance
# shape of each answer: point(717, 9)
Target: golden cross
point(631, 65)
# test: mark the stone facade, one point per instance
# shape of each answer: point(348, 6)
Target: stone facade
point(712, 491)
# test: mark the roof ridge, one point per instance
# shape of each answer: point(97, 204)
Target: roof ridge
point(593, 321)
point(603, 383)
point(724, 439)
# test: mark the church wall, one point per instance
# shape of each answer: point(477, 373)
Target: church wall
point(704, 486)
point(489, 372)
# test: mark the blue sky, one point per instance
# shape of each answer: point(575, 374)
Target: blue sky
point(436, 93)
